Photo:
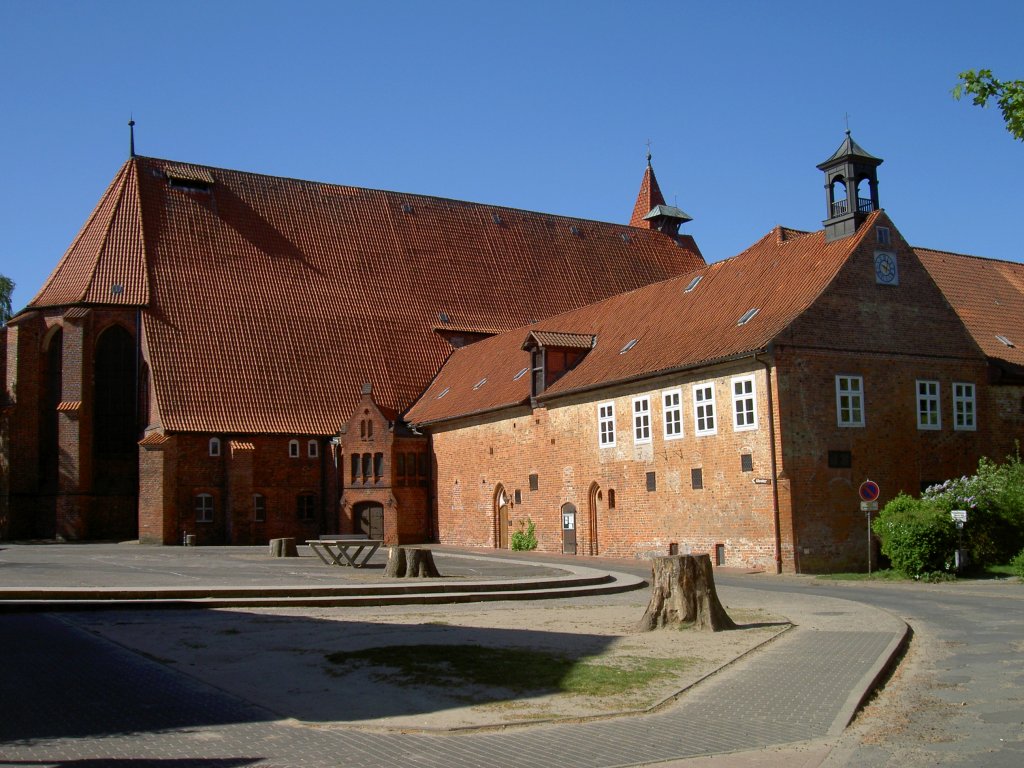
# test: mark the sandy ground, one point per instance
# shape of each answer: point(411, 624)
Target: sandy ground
point(276, 658)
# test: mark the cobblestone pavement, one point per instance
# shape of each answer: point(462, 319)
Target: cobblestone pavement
point(71, 699)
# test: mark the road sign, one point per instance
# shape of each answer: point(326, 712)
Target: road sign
point(869, 491)
point(869, 506)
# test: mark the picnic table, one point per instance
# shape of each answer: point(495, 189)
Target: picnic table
point(345, 550)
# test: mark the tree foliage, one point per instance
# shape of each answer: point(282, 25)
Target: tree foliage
point(981, 86)
point(6, 290)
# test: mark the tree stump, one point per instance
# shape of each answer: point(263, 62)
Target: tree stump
point(410, 562)
point(283, 548)
point(683, 592)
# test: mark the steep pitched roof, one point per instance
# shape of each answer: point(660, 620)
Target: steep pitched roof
point(988, 295)
point(648, 198)
point(106, 263)
point(270, 301)
point(680, 323)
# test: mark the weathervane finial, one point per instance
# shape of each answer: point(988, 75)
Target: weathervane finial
point(648, 152)
point(847, 116)
point(131, 133)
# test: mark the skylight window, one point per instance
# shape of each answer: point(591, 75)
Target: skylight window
point(1005, 340)
point(625, 237)
point(693, 283)
point(480, 383)
point(574, 229)
point(629, 345)
point(406, 208)
point(748, 316)
point(520, 375)
point(496, 218)
point(443, 392)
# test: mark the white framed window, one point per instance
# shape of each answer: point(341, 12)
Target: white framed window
point(214, 446)
point(606, 424)
point(744, 406)
point(964, 407)
point(293, 449)
point(641, 420)
point(312, 449)
point(704, 409)
point(204, 508)
point(850, 401)
point(929, 415)
point(259, 507)
point(672, 413)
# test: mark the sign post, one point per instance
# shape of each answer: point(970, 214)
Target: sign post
point(868, 493)
point(959, 517)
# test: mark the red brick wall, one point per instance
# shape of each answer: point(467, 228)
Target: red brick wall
point(560, 446)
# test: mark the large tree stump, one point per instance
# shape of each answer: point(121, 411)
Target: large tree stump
point(283, 548)
point(683, 592)
point(410, 562)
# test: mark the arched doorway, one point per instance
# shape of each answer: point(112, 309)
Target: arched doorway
point(502, 520)
point(369, 516)
point(568, 529)
point(593, 502)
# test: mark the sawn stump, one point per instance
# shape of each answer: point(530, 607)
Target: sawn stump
point(683, 592)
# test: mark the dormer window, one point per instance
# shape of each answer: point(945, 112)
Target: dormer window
point(552, 355)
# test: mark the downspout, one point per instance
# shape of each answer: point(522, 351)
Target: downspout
point(774, 458)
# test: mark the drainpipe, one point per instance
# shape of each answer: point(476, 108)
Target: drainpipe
point(774, 457)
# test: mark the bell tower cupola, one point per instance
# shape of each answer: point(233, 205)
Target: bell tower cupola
point(851, 188)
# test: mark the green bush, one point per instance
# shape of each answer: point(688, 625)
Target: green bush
point(525, 539)
point(994, 500)
point(918, 536)
point(1018, 565)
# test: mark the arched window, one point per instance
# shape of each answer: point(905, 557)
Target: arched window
point(840, 205)
point(114, 424)
point(354, 459)
point(293, 449)
point(204, 508)
point(215, 446)
point(312, 449)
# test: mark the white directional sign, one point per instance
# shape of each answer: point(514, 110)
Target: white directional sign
point(959, 515)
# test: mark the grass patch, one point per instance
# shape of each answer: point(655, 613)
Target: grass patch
point(521, 671)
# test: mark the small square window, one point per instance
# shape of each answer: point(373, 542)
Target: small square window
point(697, 478)
point(746, 462)
point(534, 482)
point(518, 496)
point(652, 481)
point(840, 459)
point(882, 234)
point(204, 508)
point(312, 449)
point(611, 498)
point(293, 449)
point(214, 446)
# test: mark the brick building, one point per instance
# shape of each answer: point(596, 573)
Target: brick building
point(227, 354)
point(736, 409)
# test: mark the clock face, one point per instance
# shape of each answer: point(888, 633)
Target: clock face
point(886, 269)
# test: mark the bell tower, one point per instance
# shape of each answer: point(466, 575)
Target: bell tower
point(851, 188)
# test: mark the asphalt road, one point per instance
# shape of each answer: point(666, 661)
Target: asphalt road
point(963, 697)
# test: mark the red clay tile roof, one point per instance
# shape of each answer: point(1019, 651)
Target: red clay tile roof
point(106, 262)
point(780, 276)
point(648, 197)
point(270, 301)
point(988, 295)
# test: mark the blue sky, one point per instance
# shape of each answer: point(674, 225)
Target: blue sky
point(540, 105)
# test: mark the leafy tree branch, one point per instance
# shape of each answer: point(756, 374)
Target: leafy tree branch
point(981, 86)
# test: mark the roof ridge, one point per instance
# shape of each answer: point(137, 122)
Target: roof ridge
point(415, 195)
point(975, 256)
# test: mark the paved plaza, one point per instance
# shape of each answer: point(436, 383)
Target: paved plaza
point(72, 698)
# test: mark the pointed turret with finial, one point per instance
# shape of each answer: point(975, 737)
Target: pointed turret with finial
point(650, 210)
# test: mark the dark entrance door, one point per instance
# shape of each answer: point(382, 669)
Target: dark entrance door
point(568, 529)
point(370, 515)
